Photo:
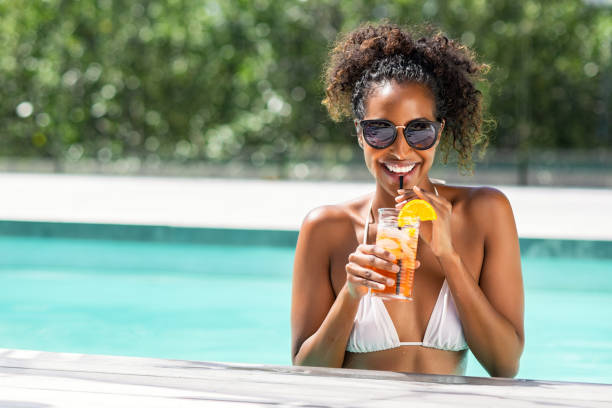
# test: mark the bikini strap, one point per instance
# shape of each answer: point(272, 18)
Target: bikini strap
point(435, 181)
point(367, 223)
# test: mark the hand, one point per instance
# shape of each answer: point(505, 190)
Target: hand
point(440, 238)
point(359, 273)
point(403, 196)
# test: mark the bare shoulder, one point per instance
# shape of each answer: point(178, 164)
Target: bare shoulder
point(325, 218)
point(326, 214)
point(487, 209)
point(331, 217)
point(325, 232)
point(485, 202)
point(476, 200)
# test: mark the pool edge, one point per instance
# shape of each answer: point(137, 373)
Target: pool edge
point(543, 247)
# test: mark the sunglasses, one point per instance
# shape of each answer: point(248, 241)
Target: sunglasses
point(420, 134)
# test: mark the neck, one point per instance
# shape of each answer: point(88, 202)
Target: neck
point(383, 199)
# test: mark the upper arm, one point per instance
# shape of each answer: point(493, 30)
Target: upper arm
point(312, 294)
point(500, 278)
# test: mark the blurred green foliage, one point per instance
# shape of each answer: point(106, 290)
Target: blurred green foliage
point(215, 80)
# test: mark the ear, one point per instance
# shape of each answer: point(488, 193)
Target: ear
point(442, 123)
point(359, 133)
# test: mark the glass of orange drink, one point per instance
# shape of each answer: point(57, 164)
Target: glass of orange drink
point(401, 241)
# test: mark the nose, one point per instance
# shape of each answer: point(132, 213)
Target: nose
point(401, 147)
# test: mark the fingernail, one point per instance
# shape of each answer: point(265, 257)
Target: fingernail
point(398, 198)
point(395, 268)
point(417, 188)
point(381, 286)
point(390, 282)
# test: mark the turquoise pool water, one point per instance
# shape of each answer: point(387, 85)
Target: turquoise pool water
point(231, 303)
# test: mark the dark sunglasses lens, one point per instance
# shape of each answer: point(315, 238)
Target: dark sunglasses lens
point(378, 134)
point(421, 135)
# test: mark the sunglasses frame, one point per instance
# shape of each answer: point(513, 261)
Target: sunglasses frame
point(436, 124)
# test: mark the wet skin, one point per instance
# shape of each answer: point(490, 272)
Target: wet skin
point(479, 258)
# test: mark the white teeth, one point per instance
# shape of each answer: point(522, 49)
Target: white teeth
point(399, 169)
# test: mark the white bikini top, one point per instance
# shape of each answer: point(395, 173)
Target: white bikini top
point(373, 329)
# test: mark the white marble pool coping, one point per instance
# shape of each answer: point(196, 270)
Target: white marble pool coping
point(540, 212)
point(43, 379)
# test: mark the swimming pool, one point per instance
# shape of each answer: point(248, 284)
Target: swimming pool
point(231, 303)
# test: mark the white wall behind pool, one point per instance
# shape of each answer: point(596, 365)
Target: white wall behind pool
point(540, 212)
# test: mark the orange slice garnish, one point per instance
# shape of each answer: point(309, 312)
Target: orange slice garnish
point(420, 209)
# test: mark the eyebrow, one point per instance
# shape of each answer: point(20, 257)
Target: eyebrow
point(422, 119)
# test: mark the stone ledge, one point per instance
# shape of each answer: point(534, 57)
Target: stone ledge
point(41, 379)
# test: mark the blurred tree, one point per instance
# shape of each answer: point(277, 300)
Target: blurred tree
point(213, 80)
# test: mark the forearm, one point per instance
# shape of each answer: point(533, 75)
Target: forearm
point(326, 347)
point(491, 337)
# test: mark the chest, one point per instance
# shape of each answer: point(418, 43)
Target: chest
point(411, 318)
point(467, 241)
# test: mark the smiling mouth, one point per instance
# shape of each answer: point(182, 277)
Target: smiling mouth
point(399, 169)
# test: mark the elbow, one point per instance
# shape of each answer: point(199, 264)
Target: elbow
point(505, 369)
point(311, 361)
point(508, 367)
point(296, 360)
point(509, 371)
point(304, 359)
point(300, 357)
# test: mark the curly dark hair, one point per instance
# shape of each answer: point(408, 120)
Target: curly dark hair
point(376, 53)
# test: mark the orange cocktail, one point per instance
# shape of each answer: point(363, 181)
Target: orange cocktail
point(402, 243)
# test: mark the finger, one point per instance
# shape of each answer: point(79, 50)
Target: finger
point(400, 205)
point(425, 239)
point(367, 277)
point(416, 188)
point(405, 191)
point(405, 197)
point(372, 261)
point(440, 204)
point(356, 280)
point(410, 195)
point(430, 197)
point(376, 250)
point(422, 193)
point(417, 264)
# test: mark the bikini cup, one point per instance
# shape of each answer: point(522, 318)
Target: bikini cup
point(373, 328)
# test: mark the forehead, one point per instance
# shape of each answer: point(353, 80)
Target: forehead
point(400, 102)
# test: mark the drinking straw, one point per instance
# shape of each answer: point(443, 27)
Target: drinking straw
point(399, 261)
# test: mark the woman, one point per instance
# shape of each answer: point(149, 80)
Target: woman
point(408, 97)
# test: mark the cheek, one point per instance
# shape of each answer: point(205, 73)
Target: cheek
point(429, 156)
point(370, 160)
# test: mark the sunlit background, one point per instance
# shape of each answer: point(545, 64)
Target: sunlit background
point(222, 101)
point(232, 88)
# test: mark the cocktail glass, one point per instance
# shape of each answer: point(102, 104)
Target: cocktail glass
point(401, 242)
